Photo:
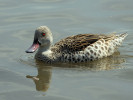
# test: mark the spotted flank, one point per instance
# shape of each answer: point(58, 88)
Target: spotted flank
point(77, 48)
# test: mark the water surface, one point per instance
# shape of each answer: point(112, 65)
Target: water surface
point(22, 77)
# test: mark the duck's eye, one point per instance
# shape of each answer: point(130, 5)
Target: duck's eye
point(43, 34)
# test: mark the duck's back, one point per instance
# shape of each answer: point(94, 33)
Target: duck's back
point(86, 47)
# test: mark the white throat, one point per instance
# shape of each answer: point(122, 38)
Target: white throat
point(44, 52)
point(43, 49)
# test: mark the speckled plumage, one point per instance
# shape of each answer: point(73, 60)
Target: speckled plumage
point(79, 48)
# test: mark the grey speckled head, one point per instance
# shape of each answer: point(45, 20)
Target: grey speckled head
point(44, 35)
point(42, 38)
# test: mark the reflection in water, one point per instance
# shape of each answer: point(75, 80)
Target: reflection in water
point(42, 80)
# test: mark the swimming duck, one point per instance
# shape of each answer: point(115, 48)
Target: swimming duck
point(76, 48)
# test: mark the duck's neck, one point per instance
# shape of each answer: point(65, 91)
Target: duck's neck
point(43, 52)
point(43, 49)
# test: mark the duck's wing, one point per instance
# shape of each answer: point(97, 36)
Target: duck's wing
point(76, 43)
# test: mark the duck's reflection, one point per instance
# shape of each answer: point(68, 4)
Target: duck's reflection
point(42, 80)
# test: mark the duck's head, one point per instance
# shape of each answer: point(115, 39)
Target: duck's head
point(42, 38)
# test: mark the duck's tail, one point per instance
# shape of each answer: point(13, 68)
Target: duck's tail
point(119, 38)
point(123, 35)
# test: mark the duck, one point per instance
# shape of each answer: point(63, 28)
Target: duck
point(73, 49)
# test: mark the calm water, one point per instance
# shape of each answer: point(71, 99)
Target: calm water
point(23, 78)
